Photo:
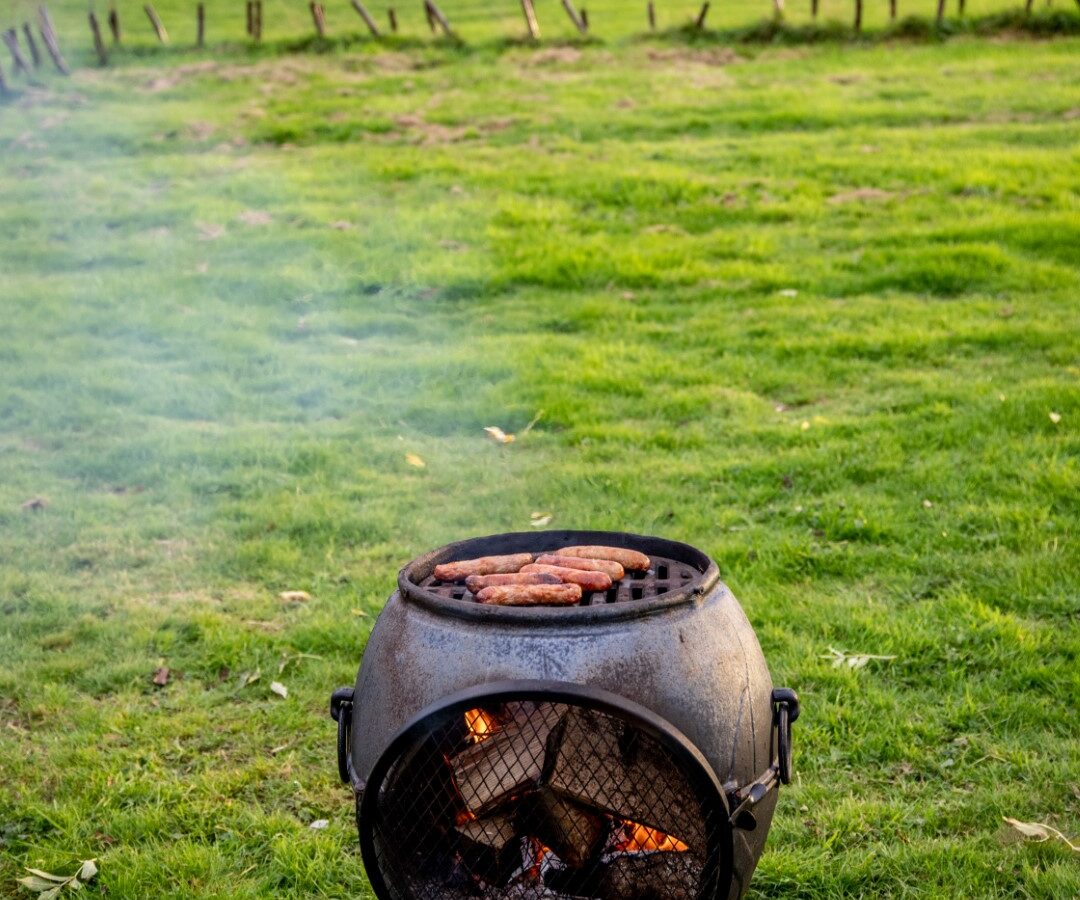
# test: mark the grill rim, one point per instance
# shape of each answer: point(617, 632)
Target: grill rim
point(410, 576)
point(686, 752)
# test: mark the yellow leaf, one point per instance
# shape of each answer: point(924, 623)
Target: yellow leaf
point(497, 434)
point(413, 460)
point(1055, 417)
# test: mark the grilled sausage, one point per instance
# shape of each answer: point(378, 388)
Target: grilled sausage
point(630, 560)
point(609, 568)
point(589, 581)
point(477, 583)
point(485, 565)
point(530, 595)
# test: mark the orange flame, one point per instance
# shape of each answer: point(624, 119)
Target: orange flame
point(539, 852)
point(481, 725)
point(640, 838)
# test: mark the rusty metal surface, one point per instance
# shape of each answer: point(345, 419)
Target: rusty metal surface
point(689, 655)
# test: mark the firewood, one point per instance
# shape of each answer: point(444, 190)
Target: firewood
point(594, 760)
point(35, 54)
point(575, 834)
point(646, 876)
point(491, 847)
point(493, 832)
point(507, 762)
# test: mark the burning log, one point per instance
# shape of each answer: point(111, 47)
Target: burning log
point(645, 876)
point(507, 758)
point(592, 761)
point(575, 833)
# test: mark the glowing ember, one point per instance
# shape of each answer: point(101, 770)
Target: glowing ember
point(539, 852)
point(481, 725)
point(640, 838)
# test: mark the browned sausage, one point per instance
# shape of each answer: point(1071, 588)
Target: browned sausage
point(485, 565)
point(589, 581)
point(530, 594)
point(630, 560)
point(477, 583)
point(609, 568)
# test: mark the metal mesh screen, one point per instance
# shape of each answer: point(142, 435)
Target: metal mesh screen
point(535, 800)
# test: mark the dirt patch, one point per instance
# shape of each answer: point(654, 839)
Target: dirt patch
point(553, 56)
point(861, 195)
point(419, 130)
point(714, 56)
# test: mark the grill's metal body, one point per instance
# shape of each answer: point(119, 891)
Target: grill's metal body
point(684, 651)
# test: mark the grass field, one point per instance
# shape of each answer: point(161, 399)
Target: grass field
point(814, 309)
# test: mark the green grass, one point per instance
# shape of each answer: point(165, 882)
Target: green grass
point(809, 308)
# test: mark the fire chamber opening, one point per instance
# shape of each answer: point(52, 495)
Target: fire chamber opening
point(536, 800)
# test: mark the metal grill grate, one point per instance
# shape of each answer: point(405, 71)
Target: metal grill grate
point(536, 800)
point(663, 575)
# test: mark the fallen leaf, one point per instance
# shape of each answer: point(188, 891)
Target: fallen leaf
point(319, 824)
point(250, 677)
point(255, 217)
point(359, 613)
point(1039, 831)
point(540, 519)
point(852, 660)
point(498, 435)
point(34, 504)
point(927, 504)
point(805, 426)
point(161, 676)
point(295, 596)
point(278, 688)
point(1055, 417)
point(788, 292)
point(413, 460)
point(88, 871)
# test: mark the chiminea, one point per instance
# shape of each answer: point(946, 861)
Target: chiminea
point(629, 747)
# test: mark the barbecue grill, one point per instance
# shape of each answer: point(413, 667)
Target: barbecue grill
point(627, 748)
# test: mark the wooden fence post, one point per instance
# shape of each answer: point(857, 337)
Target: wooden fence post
point(200, 26)
point(892, 10)
point(813, 9)
point(858, 16)
point(11, 38)
point(778, 9)
point(48, 36)
point(584, 17)
point(437, 16)
point(35, 54)
point(250, 12)
point(960, 7)
point(530, 19)
point(159, 29)
point(258, 20)
point(99, 44)
point(650, 11)
point(361, 10)
point(579, 23)
point(699, 22)
point(318, 16)
point(114, 24)
point(3, 83)
point(941, 11)
point(392, 16)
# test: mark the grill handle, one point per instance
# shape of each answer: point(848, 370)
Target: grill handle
point(741, 801)
point(341, 712)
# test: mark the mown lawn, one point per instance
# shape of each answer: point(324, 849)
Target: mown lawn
point(814, 309)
